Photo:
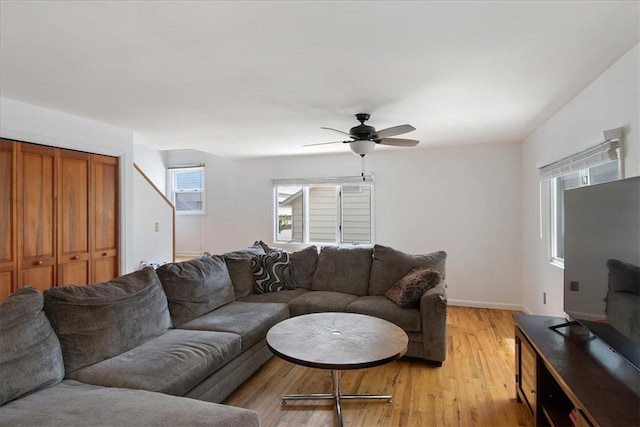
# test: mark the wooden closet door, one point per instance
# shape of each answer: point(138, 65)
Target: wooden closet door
point(73, 218)
point(104, 203)
point(8, 260)
point(36, 216)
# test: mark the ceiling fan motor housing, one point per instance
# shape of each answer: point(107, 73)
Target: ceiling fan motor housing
point(362, 131)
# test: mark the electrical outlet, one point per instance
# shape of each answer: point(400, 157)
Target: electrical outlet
point(574, 286)
point(157, 226)
point(544, 298)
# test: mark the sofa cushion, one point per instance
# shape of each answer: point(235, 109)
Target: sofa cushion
point(272, 272)
point(407, 291)
point(239, 265)
point(390, 265)
point(343, 270)
point(72, 403)
point(320, 302)
point(96, 322)
point(303, 266)
point(30, 354)
point(282, 296)
point(250, 320)
point(195, 287)
point(172, 363)
point(408, 319)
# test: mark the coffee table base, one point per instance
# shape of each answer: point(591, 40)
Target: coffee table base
point(337, 395)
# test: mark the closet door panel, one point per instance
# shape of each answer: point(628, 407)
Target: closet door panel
point(104, 198)
point(73, 218)
point(8, 260)
point(36, 215)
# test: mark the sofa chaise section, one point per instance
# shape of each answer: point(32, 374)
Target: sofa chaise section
point(33, 392)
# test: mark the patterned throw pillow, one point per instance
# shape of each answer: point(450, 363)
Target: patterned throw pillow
point(408, 290)
point(272, 272)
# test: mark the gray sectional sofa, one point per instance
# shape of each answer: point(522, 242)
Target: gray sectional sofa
point(132, 351)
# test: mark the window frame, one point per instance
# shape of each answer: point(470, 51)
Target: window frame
point(338, 183)
point(583, 181)
point(172, 191)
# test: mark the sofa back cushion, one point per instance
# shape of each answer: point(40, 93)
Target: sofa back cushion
point(240, 269)
point(390, 265)
point(196, 287)
point(96, 322)
point(303, 265)
point(343, 270)
point(30, 355)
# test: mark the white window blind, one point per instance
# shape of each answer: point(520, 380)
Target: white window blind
point(604, 152)
point(595, 165)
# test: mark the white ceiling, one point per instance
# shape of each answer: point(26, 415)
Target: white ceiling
point(244, 79)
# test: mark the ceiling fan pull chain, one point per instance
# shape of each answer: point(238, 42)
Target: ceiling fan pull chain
point(362, 156)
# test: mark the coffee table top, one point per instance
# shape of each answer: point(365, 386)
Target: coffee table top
point(337, 341)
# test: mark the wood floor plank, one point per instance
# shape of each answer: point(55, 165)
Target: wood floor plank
point(474, 387)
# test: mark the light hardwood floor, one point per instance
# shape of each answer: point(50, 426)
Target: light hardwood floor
point(474, 387)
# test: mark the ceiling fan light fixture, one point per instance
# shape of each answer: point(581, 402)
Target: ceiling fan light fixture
point(362, 147)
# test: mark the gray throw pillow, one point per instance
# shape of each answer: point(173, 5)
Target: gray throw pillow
point(272, 272)
point(30, 355)
point(407, 291)
point(196, 287)
point(390, 265)
point(239, 265)
point(343, 270)
point(97, 322)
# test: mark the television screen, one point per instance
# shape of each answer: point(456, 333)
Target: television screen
point(602, 263)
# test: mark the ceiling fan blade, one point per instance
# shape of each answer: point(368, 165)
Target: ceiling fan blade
point(399, 142)
point(393, 131)
point(325, 143)
point(336, 130)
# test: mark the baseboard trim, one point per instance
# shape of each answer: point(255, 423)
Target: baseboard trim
point(485, 304)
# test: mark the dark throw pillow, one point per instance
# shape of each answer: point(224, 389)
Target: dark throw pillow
point(407, 291)
point(272, 272)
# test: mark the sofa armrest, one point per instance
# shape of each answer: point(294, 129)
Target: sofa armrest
point(433, 312)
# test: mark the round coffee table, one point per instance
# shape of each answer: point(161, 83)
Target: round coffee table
point(337, 342)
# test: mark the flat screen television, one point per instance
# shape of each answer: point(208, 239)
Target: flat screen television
point(602, 263)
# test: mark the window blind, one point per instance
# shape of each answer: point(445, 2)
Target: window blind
point(604, 152)
point(338, 180)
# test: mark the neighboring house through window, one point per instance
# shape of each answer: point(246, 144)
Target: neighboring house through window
point(186, 189)
point(331, 210)
point(596, 165)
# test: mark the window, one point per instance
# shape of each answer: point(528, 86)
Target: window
point(186, 189)
point(595, 165)
point(316, 211)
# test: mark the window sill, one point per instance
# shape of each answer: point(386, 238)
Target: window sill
point(556, 262)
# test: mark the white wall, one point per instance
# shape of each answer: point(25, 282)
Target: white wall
point(465, 200)
point(153, 164)
point(29, 123)
point(152, 223)
point(611, 101)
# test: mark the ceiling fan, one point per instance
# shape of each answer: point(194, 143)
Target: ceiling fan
point(364, 137)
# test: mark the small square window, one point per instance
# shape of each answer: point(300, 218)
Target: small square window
point(186, 190)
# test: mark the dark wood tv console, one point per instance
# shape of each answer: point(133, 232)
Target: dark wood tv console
point(569, 377)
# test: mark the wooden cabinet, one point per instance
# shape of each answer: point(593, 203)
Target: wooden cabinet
point(62, 217)
point(567, 377)
point(526, 374)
